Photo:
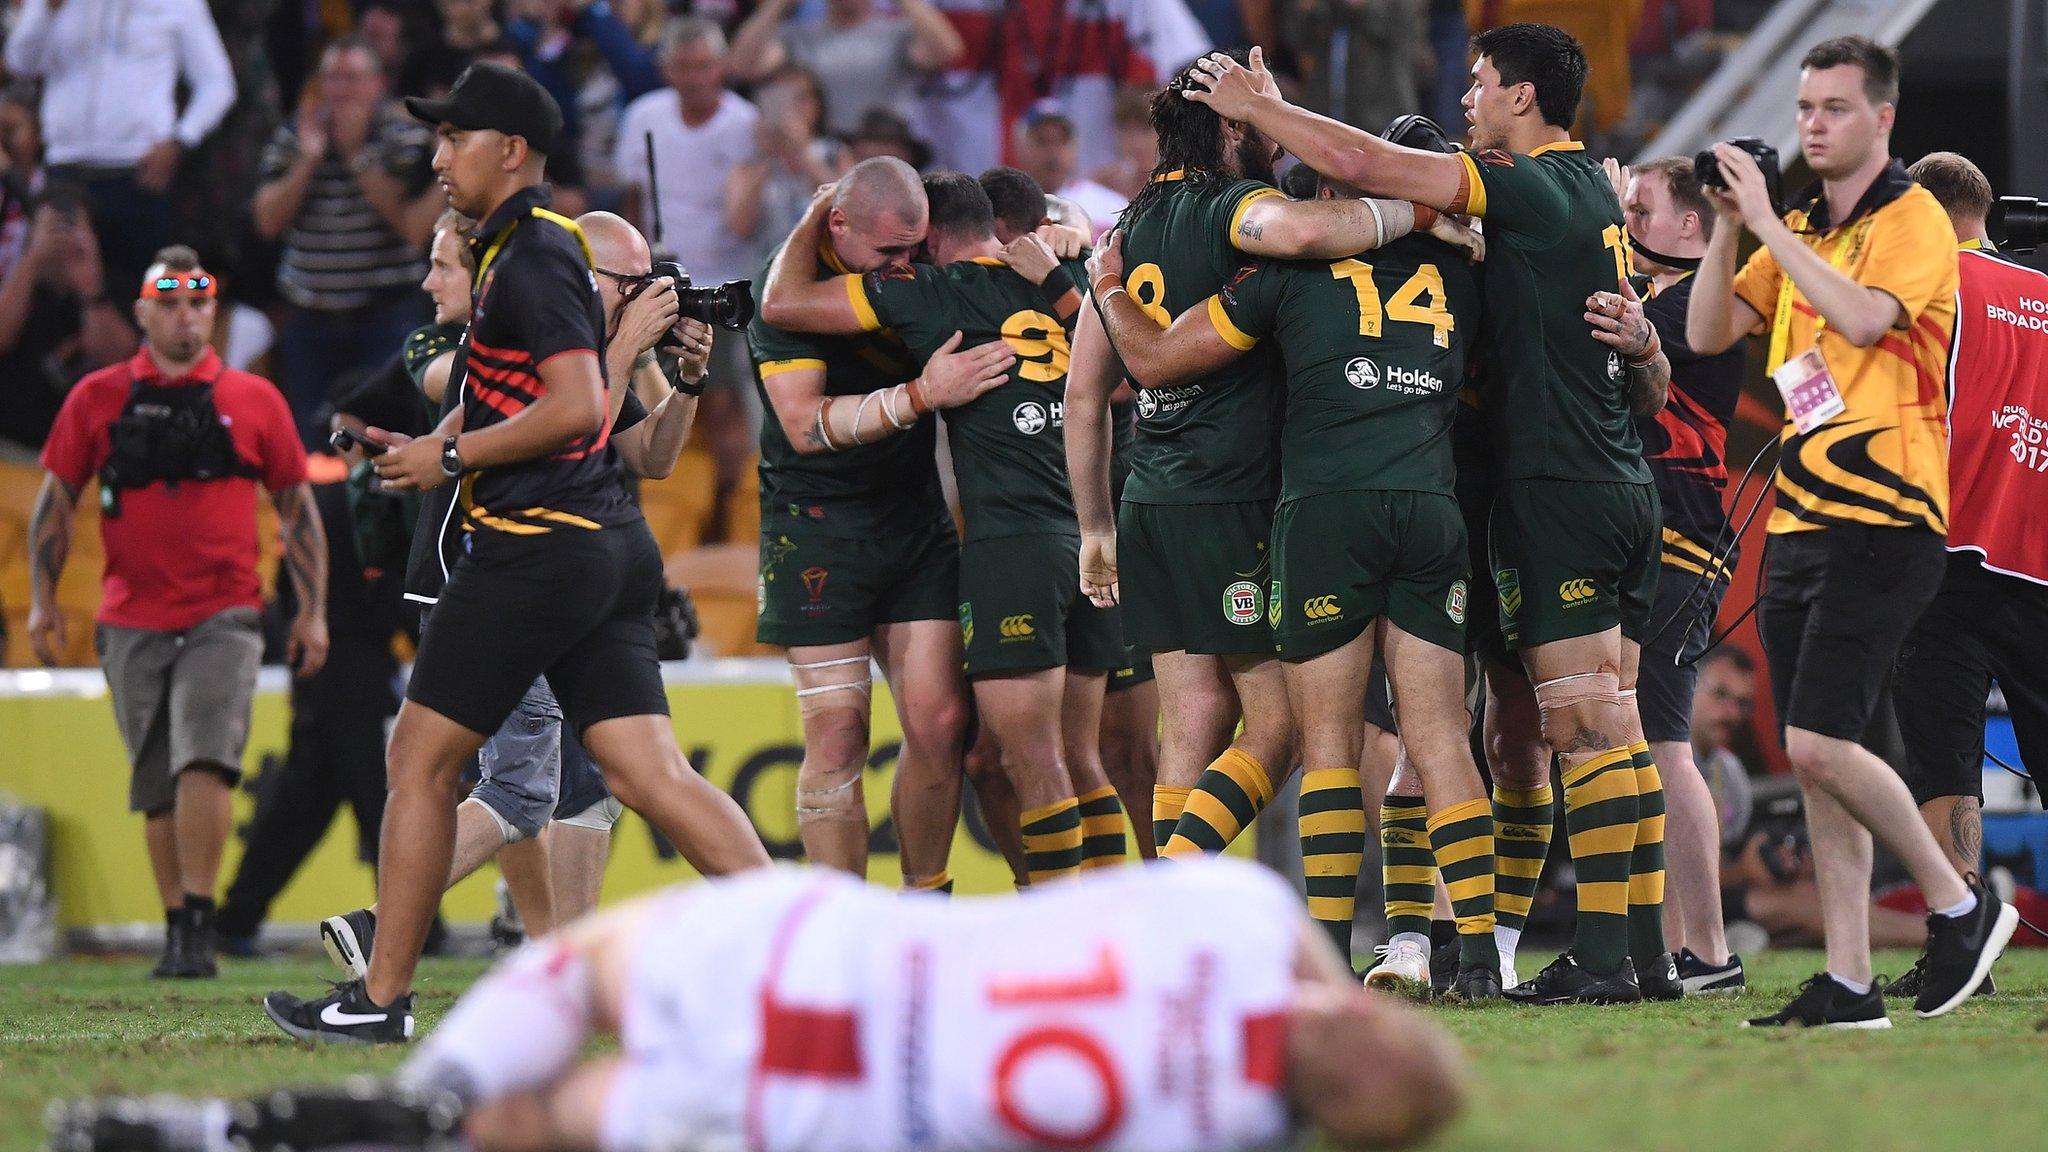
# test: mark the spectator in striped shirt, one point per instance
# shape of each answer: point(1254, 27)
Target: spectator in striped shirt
point(348, 190)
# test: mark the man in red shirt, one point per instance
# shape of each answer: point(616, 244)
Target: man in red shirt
point(179, 443)
point(1989, 621)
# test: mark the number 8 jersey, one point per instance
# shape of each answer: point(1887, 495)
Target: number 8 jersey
point(801, 1011)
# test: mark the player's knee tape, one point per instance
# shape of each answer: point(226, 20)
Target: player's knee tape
point(1583, 688)
point(601, 815)
point(826, 795)
point(826, 684)
point(506, 829)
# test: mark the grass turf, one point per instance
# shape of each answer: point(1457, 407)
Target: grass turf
point(1673, 1076)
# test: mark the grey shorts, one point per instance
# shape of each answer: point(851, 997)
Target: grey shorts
point(181, 698)
point(521, 764)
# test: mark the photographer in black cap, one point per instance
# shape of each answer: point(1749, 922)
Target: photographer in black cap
point(559, 574)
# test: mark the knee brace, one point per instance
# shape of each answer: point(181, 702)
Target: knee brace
point(600, 816)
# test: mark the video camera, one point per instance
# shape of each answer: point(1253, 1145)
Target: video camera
point(1706, 167)
point(2017, 224)
point(729, 306)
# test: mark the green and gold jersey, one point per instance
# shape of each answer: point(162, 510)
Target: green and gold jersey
point(1554, 237)
point(1009, 445)
point(1375, 354)
point(890, 485)
point(1212, 440)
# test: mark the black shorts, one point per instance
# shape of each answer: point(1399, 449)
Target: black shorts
point(1982, 626)
point(1379, 698)
point(1681, 624)
point(1837, 604)
point(818, 589)
point(573, 605)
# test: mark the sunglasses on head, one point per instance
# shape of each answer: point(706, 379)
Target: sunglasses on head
point(203, 284)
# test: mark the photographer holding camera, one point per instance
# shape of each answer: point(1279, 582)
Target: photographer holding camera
point(1990, 619)
point(1856, 287)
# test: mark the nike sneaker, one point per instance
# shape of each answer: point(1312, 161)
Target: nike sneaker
point(1961, 950)
point(1823, 1003)
point(348, 939)
point(345, 1015)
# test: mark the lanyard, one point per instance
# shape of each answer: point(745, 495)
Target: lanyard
point(505, 233)
point(1839, 256)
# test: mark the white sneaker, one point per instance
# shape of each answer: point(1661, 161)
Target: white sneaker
point(1403, 970)
point(1507, 970)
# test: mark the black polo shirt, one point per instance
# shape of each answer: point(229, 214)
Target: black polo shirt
point(535, 299)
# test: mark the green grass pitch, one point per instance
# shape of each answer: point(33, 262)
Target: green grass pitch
point(1681, 1077)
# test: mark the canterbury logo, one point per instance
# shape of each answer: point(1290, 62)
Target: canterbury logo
point(1321, 608)
point(1517, 832)
point(1016, 626)
point(1576, 591)
point(1401, 838)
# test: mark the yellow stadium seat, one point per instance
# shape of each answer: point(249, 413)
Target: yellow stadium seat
point(721, 579)
point(678, 507)
point(743, 509)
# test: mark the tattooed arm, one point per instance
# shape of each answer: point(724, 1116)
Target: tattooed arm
point(49, 546)
point(305, 557)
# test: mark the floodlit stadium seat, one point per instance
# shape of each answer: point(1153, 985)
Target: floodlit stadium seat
point(722, 581)
point(677, 507)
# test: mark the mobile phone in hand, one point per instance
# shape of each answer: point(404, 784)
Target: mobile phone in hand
point(343, 440)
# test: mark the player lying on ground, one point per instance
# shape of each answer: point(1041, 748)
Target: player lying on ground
point(1164, 1009)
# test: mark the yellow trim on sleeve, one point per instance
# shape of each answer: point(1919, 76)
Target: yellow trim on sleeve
point(863, 311)
point(778, 367)
point(1475, 197)
point(1232, 335)
point(1559, 146)
point(1250, 198)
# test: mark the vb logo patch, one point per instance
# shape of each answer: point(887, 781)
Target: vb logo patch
point(1319, 609)
point(1454, 604)
point(966, 625)
point(1243, 605)
point(1576, 592)
point(1017, 627)
point(1508, 582)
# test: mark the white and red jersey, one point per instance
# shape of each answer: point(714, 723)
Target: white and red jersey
point(1998, 417)
point(803, 1011)
point(1023, 51)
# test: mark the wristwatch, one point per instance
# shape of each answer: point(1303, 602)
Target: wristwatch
point(451, 460)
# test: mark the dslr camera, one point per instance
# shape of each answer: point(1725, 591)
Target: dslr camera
point(2017, 224)
point(1707, 168)
point(729, 306)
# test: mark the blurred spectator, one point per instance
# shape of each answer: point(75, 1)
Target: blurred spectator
point(863, 58)
point(1450, 46)
point(467, 26)
point(348, 188)
point(56, 323)
point(1720, 708)
point(111, 71)
point(1081, 51)
point(383, 27)
point(1361, 59)
point(1046, 148)
point(767, 195)
point(884, 133)
point(21, 148)
point(568, 45)
point(1137, 145)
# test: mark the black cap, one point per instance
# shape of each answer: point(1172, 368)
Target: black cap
point(492, 96)
point(1417, 131)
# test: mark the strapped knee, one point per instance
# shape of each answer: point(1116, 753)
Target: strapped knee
point(1584, 688)
point(827, 684)
point(831, 794)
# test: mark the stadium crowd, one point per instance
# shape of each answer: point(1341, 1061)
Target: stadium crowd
point(1405, 467)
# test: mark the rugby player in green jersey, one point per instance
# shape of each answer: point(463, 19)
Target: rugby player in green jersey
point(1038, 652)
point(858, 554)
point(1575, 528)
point(1186, 553)
point(1369, 550)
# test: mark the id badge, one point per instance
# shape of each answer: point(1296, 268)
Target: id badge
point(1811, 397)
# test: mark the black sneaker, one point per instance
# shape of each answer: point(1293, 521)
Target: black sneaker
point(344, 1016)
point(1443, 969)
point(363, 1112)
point(1474, 983)
point(1823, 1003)
point(1907, 987)
point(1659, 980)
point(1564, 982)
point(1703, 979)
point(200, 942)
point(348, 938)
point(171, 965)
point(1961, 950)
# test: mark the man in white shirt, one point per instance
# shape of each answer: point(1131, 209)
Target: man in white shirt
point(1046, 145)
point(111, 121)
point(701, 132)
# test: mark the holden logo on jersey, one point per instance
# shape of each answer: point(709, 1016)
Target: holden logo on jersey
point(1362, 373)
point(1320, 608)
point(1148, 407)
point(1575, 592)
point(1031, 417)
point(1242, 604)
point(1155, 402)
point(1017, 627)
point(1614, 366)
point(1454, 604)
